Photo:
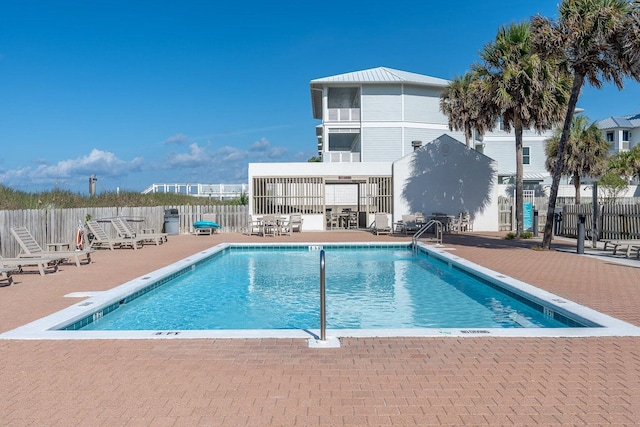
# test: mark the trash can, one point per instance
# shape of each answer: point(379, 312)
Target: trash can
point(171, 221)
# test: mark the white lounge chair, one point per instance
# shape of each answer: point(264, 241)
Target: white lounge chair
point(5, 274)
point(43, 264)
point(381, 225)
point(206, 226)
point(31, 249)
point(628, 245)
point(124, 230)
point(101, 238)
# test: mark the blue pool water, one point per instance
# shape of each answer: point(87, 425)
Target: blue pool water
point(366, 288)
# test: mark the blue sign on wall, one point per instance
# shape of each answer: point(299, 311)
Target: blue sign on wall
point(527, 216)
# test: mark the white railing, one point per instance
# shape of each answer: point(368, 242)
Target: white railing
point(214, 191)
point(344, 114)
point(343, 157)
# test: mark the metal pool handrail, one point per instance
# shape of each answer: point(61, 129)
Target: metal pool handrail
point(323, 314)
point(424, 228)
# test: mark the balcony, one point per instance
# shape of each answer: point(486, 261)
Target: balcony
point(343, 157)
point(344, 115)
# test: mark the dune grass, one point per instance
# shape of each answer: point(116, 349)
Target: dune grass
point(11, 199)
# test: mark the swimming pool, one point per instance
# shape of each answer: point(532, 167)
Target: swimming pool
point(530, 307)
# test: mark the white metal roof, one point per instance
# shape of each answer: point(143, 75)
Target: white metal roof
point(371, 76)
point(382, 75)
point(620, 122)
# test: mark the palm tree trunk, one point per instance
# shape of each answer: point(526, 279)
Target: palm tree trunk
point(576, 185)
point(467, 136)
point(519, 178)
point(578, 81)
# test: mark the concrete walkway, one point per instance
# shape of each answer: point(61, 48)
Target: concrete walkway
point(367, 381)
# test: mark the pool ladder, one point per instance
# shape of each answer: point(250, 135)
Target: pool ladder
point(438, 234)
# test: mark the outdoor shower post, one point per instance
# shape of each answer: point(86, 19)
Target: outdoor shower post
point(581, 220)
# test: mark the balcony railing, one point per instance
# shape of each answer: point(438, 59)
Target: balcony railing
point(344, 114)
point(343, 157)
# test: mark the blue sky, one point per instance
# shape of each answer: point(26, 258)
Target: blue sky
point(139, 92)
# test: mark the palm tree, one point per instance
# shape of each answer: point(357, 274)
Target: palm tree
point(459, 103)
point(597, 40)
point(526, 91)
point(586, 152)
point(626, 163)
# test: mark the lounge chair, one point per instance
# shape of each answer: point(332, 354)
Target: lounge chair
point(29, 248)
point(124, 230)
point(381, 225)
point(206, 226)
point(295, 219)
point(101, 238)
point(408, 225)
point(628, 245)
point(42, 263)
point(5, 274)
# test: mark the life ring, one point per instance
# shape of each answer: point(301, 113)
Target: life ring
point(79, 239)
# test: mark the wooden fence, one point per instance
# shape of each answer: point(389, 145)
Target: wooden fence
point(615, 221)
point(60, 225)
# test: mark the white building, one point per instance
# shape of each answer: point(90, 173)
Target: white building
point(372, 120)
point(622, 133)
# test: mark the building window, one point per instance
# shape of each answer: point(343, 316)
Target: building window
point(501, 123)
point(609, 136)
point(626, 135)
point(526, 156)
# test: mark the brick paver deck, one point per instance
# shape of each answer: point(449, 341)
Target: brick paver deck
point(367, 381)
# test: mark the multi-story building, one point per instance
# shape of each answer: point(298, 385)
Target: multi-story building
point(377, 114)
point(386, 146)
point(622, 133)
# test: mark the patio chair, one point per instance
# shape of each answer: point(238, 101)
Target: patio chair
point(295, 220)
point(269, 225)
point(284, 226)
point(42, 263)
point(124, 230)
point(101, 239)
point(29, 248)
point(455, 224)
point(352, 220)
point(333, 220)
point(254, 227)
point(466, 223)
point(409, 225)
point(381, 224)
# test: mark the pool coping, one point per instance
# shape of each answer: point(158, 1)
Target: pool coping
point(43, 328)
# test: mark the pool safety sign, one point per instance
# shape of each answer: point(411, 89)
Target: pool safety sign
point(527, 216)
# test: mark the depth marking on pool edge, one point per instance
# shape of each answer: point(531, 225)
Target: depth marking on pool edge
point(167, 333)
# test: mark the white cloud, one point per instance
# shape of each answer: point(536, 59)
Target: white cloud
point(178, 138)
point(101, 163)
point(262, 144)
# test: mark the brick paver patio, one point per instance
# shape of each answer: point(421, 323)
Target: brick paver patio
point(367, 381)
